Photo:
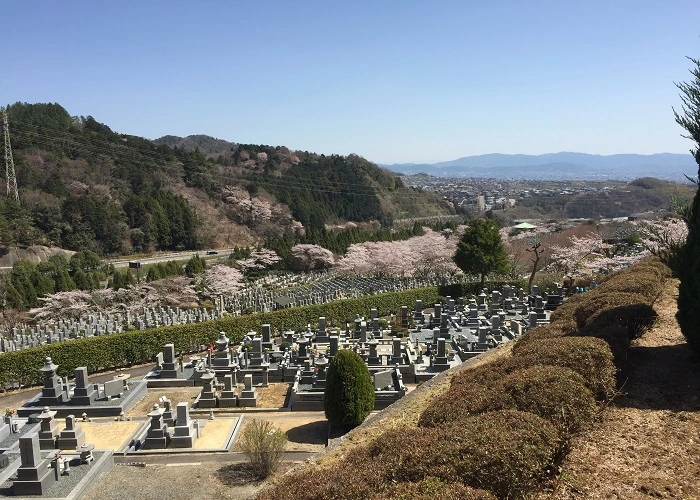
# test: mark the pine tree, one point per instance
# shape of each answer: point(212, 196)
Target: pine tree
point(481, 251)
point(689, 289)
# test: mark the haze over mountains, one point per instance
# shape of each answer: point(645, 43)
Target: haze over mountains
point(559, 166)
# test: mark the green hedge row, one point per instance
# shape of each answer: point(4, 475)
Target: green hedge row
point(124, 349)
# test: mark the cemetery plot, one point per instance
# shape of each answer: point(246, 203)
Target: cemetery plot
point(176, 395)
point(106, 434)
point(306, 431)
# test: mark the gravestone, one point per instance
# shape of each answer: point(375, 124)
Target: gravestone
point(184, 434)
point(396, 355)
point(207, 398)
point(383, 380)
point(227, 398)
point(34, 475)
point(169, 365)
point(440, 363)
point(249, 394)
point(333, 347)
point(72, 436)
point(84, 394)
point(113, 389)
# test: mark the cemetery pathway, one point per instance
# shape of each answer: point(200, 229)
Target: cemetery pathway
point(648, 443)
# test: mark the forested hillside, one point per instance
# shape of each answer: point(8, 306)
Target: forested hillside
point(84, 186)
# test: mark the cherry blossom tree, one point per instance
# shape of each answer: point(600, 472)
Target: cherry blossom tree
point(307, 257)
point(664, 238)
point(219, 280)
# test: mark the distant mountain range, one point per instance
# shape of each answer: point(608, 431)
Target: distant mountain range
point(559, 166)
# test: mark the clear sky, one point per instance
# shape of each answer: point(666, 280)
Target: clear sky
point(390, 80)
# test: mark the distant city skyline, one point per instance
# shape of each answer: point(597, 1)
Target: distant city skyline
point(394, 82)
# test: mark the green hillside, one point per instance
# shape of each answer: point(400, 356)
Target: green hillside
point(84, 186)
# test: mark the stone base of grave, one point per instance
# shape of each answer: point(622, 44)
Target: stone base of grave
point(205, 402)
point(440, 367)
point(228, 400)
point(83, 396)
point(70, 439)
point(113, 408)
point(156, 440)
point(33, 480)
point(248, 398)
point(184, 437)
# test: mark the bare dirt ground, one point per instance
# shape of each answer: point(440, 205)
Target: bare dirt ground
point(306, 430)
point(175, 394)
point(648, 443)
point(198, 480)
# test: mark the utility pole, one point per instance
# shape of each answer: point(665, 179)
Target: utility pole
point(12, 192)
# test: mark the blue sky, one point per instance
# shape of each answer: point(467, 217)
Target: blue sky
point(393, 81)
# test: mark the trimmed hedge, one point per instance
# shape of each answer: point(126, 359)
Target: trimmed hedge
point(554, 393)
point(489, 373)
point(505, 452)
point(541, 333)
point(588, 356)
point(124, 349)
point(462, 400)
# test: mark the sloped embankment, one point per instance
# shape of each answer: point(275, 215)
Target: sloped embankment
point(499, 429)
point(648, 444)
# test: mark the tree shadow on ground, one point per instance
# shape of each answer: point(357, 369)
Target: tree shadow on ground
point(311, 433)
point(661, 378)
point(237, 474)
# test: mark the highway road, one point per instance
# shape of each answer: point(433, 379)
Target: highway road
point(122, 262)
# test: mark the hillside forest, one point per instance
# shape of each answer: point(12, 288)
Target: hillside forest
point(85, 187)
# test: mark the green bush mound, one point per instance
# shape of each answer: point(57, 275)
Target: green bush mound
point(489, 373)
point(598, 302)
point(432, 488)
point(349, 394)
point(554, 393)
point(462, 400)
point(588, 356)
point(540, 333)
point(504, 452)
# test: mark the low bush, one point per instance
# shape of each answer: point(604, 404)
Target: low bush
point(565, 312)
point(554, 393)
point(590, 357)
point(462, 400)
point(504, 452)
point(264, 445)
point(615, 336)
point(489, 373)
point(550, 331)
point(634, 319)
point(646, 282)
point(432, 488)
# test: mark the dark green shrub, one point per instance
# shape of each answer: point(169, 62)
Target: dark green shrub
point(462, 400)
point(588, 356)
point(615, 336)
point(349, 394)
point(554, 393)
point(565, 312)
point(540, 333)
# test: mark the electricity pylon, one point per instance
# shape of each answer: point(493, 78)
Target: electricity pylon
point(9, 162)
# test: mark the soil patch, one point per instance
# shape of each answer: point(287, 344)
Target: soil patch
point(175, 395)
point(306, 431)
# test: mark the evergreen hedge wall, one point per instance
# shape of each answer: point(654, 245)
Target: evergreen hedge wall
point(124, 349)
